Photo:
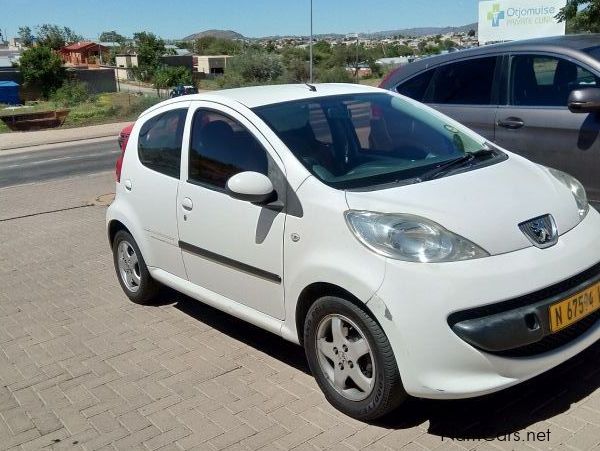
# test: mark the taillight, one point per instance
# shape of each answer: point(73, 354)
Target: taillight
point(119, 165)
point(388, 76)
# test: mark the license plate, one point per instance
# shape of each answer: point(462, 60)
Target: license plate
point(578, 306)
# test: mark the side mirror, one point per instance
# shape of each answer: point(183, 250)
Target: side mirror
point(585, 100)
point(252, 187)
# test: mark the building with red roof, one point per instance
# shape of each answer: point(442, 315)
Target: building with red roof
point(83, 53)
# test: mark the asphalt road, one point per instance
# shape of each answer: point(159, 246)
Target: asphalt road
point(57, 161)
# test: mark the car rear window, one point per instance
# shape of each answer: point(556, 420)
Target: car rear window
point(463, 83)
point(159, 142)
point(416, 86)
point(593, 51)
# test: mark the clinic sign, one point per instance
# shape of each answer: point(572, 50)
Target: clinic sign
point(509, 20)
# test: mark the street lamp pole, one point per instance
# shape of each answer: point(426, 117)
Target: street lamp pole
point(356, 57)
point(310, 45)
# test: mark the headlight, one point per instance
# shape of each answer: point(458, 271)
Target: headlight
point(410, 238)
point(576, 189)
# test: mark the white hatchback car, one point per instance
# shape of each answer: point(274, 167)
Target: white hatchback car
point(407, 254)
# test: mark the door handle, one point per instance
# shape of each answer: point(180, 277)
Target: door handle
point(128, 185)
point(187, 204)
point(511, 123)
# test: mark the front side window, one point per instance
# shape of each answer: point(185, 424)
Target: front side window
point(539, 80)
point(220, 148)
point(375, 138)
point(159, 142)
point(463, 83)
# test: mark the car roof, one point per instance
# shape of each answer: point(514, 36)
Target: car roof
point(569, 45)
point(256, 96)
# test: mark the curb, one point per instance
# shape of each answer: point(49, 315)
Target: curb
point(58, 142)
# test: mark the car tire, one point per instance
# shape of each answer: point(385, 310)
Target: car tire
point(379, 389)
point(132, 272)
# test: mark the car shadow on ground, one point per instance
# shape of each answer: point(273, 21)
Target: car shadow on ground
point(495, 415)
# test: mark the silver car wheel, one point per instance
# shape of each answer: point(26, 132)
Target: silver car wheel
point(129, 266)
point(345, 357)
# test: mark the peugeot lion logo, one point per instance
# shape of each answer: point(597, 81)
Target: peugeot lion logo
point(541, 231)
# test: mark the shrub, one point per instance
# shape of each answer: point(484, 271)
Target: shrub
point(167, 76)
point(71, 93)
point(334, 75)
point(252, 68)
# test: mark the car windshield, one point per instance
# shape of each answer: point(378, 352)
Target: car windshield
point(362, 140)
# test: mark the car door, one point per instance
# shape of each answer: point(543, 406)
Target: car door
point(465, 90)
point(151, 182)
point(537, 124)
point(230, 247)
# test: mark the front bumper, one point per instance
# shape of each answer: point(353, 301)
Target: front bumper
point(418, 304)
point(521, 327)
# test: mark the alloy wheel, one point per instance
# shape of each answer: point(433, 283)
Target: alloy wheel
point(345, 357)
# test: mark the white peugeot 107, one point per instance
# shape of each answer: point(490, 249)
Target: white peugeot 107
point(407, 254)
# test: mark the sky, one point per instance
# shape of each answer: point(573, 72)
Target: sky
point(173, 19)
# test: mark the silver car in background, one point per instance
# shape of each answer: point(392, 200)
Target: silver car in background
point(538, 97)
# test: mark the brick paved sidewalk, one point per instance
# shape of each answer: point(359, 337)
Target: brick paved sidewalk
point(82, 367)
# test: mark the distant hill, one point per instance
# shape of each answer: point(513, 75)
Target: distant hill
point(425, 31)
point(416, 32)
point(223, 34)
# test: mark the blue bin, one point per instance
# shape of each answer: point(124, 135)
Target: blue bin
point(9, 93)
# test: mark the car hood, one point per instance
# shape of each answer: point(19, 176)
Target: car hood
point(484, 205)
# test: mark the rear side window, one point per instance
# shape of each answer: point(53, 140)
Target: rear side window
point(540, 80)
point(463, 83)
point(220, 148)
point(415, 87)
point(159, 142)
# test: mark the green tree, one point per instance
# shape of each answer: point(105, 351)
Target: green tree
point(149, 50)
point(112, 36)
point(581, 16)
point(447, 44)
point(54, 36)
point(297, 71)
point(26, 36)
point(41, 67)
point(404, 50)
point(168, 76)
point(430, 49)
point(471, 33)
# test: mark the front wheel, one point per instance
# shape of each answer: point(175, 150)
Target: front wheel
point(351, 359)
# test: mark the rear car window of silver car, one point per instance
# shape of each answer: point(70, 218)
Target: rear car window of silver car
point(469, 82)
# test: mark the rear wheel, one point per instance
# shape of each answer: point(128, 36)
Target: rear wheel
point(351, 359)
point(131, 269)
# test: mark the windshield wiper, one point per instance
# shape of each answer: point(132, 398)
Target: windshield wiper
point(446, 166)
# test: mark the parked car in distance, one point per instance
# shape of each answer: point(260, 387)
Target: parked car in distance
point(406, 253)
point(539, 98)
point(183, 90)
